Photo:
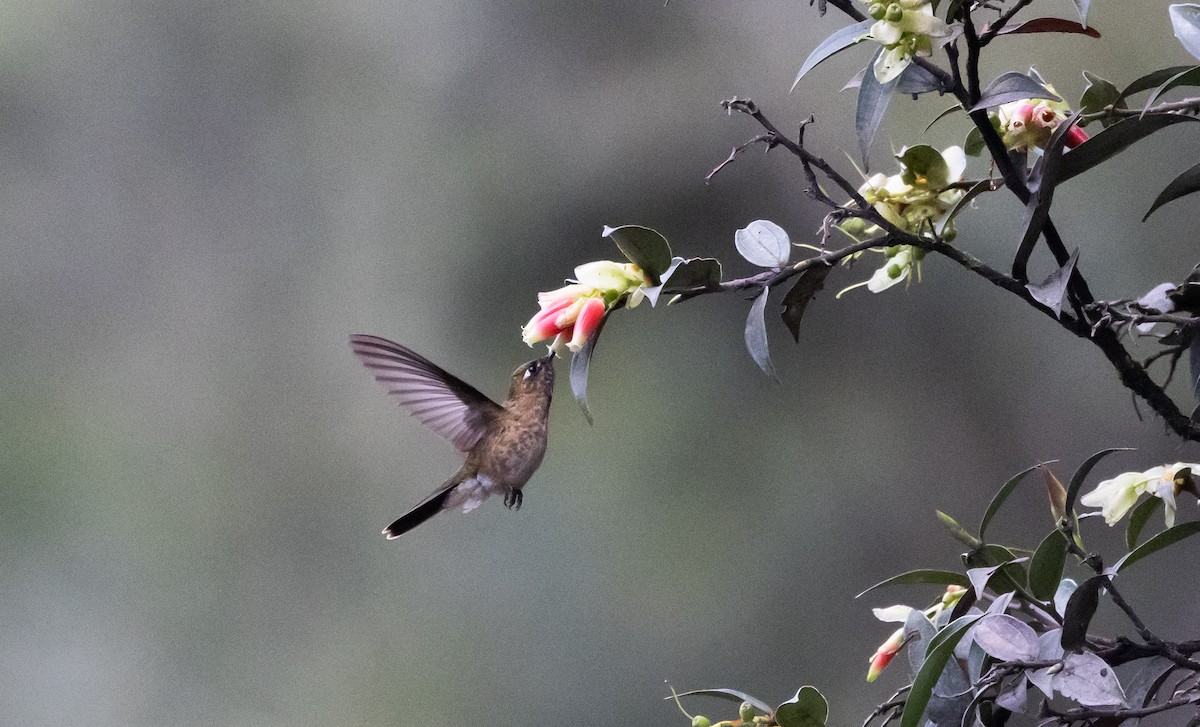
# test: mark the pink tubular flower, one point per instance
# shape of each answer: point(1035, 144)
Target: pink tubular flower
point(572, 314)
point(884, 654)
point(1030, 123)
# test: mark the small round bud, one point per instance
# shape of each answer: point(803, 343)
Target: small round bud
point(701, 721)
point(895, 13)
point(894, 271)
point(877, 11)
point(747, 711)
point(853, 226)
point(949, 233)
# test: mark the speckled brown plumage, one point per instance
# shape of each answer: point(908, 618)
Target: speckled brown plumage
point(504, 443)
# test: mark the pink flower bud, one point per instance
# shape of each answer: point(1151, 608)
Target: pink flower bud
point(586, 322)
point(1075, 137)
point(884, 654)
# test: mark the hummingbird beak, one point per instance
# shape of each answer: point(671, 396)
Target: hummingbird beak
point(548, 358)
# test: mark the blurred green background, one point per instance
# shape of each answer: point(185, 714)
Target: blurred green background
point(201, 200)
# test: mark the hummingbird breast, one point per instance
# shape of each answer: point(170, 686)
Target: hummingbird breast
point(514, 452)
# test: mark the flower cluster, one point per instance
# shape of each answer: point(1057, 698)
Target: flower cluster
point(905, 29)
point(916, 201)
point(1029, 123)
point(572, 314)
point(899, 614)
point(1116, 496)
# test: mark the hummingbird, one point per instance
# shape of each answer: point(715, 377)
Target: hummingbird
point(504, 443)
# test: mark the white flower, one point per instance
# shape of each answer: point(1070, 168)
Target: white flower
point(1116, 496)
point(905, 29)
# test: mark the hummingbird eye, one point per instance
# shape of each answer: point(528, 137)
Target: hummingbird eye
point(533, 367)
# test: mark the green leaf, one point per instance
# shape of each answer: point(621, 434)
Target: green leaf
point(581, 361)
point(1114, 140)
point(1170, 536)
point(731, 695)
point(1012, 86)
point(644, 247)
point(1185, 19)
point(1042, 182)
point(959, 532)
point(1180, 186)
point(924, 575)
point(756, 334)
point(1077, 616)
point(1002, 495)
point(1190, 77)
point(944, 114)
point(696, 272)
point(940, 649)
point(1046, 567)
point(764, 244)
point(1051, 291)
point(796, 301)
point(974, 143)
point(1138, 519)
point(873, 99)
point(807, 709)
point(1099, 95)
point(983, 185)
point(1084, 470)
point(838, 41)
point(1151, 80)
point(925, 161)
point(1049, 25)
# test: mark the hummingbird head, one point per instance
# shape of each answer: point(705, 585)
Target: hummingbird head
point(534, 379)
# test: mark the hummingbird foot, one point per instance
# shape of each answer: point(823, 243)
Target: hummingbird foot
point(513, 499)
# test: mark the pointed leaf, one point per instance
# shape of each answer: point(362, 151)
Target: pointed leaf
point(796, 300)
point(1049, 25)
point(1006, 638)
point(1082, 6)
point(838, 41)
point(1137, 520)
point(924, 575)
point(940, 649)
point(1181, 186)
point(756, 334)
point(644, 247)
point(1084, 470)
point(1079, 611)
point(581, 361)
point(1012, 86)
point(1151, 80)
point(873, 99)
point(1114, 140)
point(807, 709)
point(731, 695)
point(974, 144)
point(1190, 77)
point(1147, 681)
point(763, 243)
point(1002, 495)
point(1051, 291)
point(944, 114)
point(1185, 19)
point(1170, 536)
point(1089, 680)
point(1046, 567)
point(983, 185)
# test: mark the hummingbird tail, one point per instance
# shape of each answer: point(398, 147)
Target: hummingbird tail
point(429, 507)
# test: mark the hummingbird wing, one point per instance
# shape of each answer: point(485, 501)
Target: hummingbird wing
point(443, 402)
